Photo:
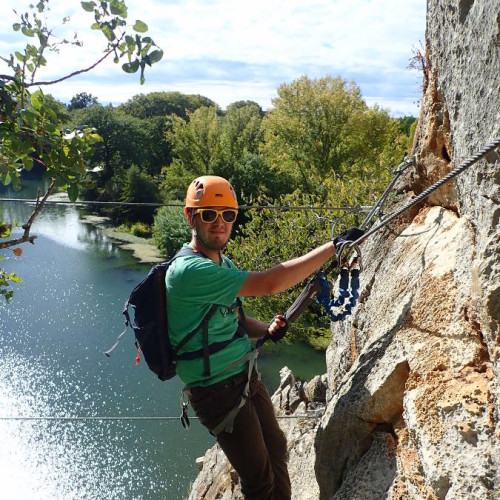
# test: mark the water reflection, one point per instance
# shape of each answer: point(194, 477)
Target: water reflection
point(66, 225)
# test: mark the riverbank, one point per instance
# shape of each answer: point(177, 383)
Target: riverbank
point(143, 249)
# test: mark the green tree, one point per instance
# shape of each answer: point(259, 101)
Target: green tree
point(31, 131)
point(372, 144)
point(251, 178)
point(123, 139)
point(304, 131)
point(241, 130)
point(138, 187)
point(58, 107)
point(405, 124)
point(170, 230)
point(206, 143)
point(196, 145)
point(153, 109)
point(165, 103)
point(82, 100)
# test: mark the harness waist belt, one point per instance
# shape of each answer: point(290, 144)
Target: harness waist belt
point(212, 348)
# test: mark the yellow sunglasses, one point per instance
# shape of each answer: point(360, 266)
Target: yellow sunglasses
point(210, 214)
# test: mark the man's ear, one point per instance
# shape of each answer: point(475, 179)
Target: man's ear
point(189, 216)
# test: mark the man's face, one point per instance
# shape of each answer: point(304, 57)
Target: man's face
point(213, 235)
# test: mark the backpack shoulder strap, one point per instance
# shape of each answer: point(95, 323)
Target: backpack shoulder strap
point(183, 252)
point(159, 271)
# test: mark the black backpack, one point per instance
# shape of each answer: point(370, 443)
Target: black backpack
point(149, 301)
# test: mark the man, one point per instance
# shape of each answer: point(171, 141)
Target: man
point(224, 391)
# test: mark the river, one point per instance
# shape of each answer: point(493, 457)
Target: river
point(53, 374)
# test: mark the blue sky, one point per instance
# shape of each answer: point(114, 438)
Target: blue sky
point(230, 50)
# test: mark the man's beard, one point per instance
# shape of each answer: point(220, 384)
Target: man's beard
point(209, 245)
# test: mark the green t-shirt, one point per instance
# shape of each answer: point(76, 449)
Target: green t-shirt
point(194, 283)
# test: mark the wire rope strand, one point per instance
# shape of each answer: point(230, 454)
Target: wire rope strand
point(377, 208)
point(125, 418)
point(362, 208)
point(424, 194)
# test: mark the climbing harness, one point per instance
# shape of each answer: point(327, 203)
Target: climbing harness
point(227, 423)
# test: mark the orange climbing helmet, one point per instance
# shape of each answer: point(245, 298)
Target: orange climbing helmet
point(211, 191)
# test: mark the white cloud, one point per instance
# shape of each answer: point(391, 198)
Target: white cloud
point(229, 50)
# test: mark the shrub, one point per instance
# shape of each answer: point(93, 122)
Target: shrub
point(141, 229)
point(170, 230)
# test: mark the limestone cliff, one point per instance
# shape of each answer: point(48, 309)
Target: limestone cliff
point(409, 405)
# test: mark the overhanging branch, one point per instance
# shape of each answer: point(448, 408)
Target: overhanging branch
point(75, 73)
point(26, 237)
point(71, 75)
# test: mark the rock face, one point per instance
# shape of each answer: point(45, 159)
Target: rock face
point(409, 405)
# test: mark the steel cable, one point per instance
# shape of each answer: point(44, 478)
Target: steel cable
point(424, 194)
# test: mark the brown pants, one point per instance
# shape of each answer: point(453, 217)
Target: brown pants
point(257, 447)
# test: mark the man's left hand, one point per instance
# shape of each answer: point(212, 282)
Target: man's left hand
point(277, 328)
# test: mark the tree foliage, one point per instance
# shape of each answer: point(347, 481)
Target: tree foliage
point(322, 128)
point(138, 188)
point(241, 130)
point(170, 230)
point(164, 104)
point(196, 141)
point(31, 127)
point(82, 100)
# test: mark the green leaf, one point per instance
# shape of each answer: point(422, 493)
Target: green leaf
point(88, 6)
point(94, 138)
point(142, 73)
point(118, 8)
point(73, 192)
point(131, 67)
point(27, 31)
point(14, 278)
point(155, 56)
point(16, 26)
point(108, 32)
point(140, 27)
point(37, 100)
point(27, 163)
point(5, 230)
point(6, 179)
